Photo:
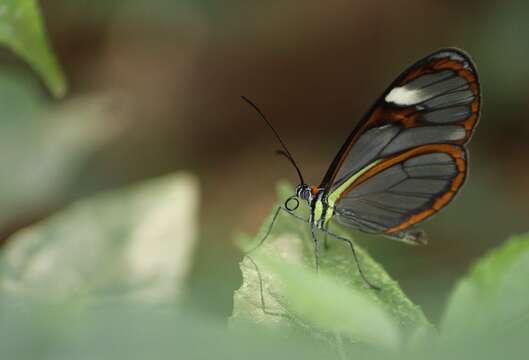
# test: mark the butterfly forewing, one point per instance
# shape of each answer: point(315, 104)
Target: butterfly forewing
point(406, 159)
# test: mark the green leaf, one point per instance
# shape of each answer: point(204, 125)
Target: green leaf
point(43, 146)
point(135, 242)
point(134, 331)
point(276, 296)
point(494, 296)
point(22, 30)
point(327, 304)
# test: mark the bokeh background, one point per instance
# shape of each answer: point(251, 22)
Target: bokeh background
point(159, 85)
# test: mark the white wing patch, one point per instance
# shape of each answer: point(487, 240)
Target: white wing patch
point(406, 97)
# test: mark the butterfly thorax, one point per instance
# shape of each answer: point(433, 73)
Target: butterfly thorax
point(320, 211)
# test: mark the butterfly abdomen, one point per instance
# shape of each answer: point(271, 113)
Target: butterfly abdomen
point(321, 211)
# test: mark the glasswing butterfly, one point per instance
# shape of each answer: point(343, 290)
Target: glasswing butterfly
point(404, 161)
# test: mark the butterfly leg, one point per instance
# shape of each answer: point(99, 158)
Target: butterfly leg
point(270, 227)
point(350, 243)
point(326, 245)
point(261, 292)
point(316, 247)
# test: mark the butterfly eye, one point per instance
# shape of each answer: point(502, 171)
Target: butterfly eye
point(288, 203)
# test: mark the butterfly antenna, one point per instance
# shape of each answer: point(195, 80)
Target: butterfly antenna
point(285, 151)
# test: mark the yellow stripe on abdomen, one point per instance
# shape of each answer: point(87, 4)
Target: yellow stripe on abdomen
point(318, 210)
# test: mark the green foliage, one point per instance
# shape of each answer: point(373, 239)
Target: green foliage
point(133, 331)
point(134, 242)
point(326, 304)
point(43, 146)
point(22, 30)
point(104, 279)
point(494, 296)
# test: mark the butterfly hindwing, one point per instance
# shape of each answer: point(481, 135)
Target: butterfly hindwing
point(403, 189)
point(406, 159)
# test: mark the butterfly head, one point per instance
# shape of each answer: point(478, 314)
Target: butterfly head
point(303, 191)
point(307, 192)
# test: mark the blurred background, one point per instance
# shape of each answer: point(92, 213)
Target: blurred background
point(156, 86)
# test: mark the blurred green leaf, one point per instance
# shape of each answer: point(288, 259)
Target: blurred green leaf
point(123, 330)
point(22, 30)
point(134, 242)
point(494, 296)
point(43, 147)
point(263, 300)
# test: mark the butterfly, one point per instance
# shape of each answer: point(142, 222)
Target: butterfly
point(404, 161)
